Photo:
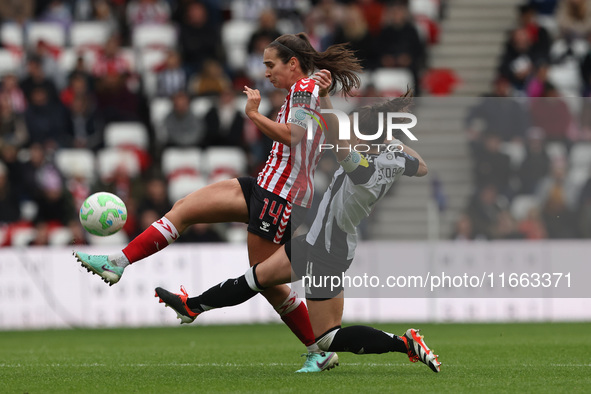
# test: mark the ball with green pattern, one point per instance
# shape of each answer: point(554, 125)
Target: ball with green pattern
point(103, 214)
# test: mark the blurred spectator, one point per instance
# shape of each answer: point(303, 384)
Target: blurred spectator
point(354, 31)
point(199, 39)
point(115, 102)
point(585, 119)
point(57, 12)
point(506, 227)
point(500, 114)
point(183, 128)
point(141, 12)
point(84, 127)
point(155, 200)
point(558, 181)
point(19, 11)
point(399, 42)
point(492, 166)
point(585, 69)
point(212, 80)
point(110, 60)
point(36, 79)
point(171, 78)
point(517, 62)
point(558, 218)
point(538, 35)
point(536, 165)
point(224, 122)
point(55, 205)
point(9, 204)
point(463, 229)
point(574, 18)
point(544, 7)
point(13, 129)
point(372, 11)
point(532, 227)
point(255, 68)
point(77, 86)
point(96, 10)
point(484, 209)
point(267, 30)
point(45, 119)
point(11, 91)
point(538, 80)
point(584, 210)
point(552, 115)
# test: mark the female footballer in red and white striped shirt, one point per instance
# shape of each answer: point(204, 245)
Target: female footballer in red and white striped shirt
point(275, 202)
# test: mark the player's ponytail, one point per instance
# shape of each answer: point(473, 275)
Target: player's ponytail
point(368, 115)
point(338, 59)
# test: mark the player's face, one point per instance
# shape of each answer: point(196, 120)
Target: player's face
point(278, 73)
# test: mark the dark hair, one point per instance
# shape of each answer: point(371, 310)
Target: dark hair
point(338, 59)
point(368, 115)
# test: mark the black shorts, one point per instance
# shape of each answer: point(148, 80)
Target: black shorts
point(270, 217)
point(321, 272)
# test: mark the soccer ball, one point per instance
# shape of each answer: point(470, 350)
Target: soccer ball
point(103, 214)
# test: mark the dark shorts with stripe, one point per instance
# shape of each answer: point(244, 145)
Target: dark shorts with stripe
point(270, 217)
point(321, 271)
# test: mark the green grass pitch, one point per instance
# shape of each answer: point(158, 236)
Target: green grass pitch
point(544, 357)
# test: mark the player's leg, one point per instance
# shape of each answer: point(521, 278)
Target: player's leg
point(231, 291)
point(326, 316)
point(220, 202)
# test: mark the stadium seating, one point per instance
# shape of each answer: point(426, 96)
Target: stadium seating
point(159, 109)
point(200, 106)
point(9, 62)
point(126, 134)
point(392, 80)
point(89, 33)
point(22, 236)
point(11, 34)
point(119, 238)
point(224, 163)
point(76, 162)
point(110, 159)
point(179, 161)
point(69, 57)
point(60, 236)
point(235, 36)
point(522, 204)
point(52, 33)
point(154, 35)
point(515, 151)
point(182, 186)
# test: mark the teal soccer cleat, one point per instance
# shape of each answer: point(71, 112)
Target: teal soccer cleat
point(318, 362)
point(100, 265)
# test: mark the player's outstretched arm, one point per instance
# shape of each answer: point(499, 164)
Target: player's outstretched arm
point(423, 170)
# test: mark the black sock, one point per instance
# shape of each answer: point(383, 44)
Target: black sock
point(228, 293)
point(366, 340)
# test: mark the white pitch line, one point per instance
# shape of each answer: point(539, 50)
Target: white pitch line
point(198, 365)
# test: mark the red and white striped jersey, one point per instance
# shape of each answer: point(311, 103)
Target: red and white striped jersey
point(289, 171)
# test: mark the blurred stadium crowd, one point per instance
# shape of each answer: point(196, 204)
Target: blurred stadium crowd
point(143, 98)
point(530, 136)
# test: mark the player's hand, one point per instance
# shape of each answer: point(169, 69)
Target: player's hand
point(323, 79)
point(253, 101)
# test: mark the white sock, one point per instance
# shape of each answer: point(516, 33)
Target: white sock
point(313, 348)
point(119, 259)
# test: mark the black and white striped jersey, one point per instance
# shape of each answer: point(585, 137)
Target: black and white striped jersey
point(351, 197)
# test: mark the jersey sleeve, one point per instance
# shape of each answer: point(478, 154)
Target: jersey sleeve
point(358, 168)
point(411, 166)
point(303, 103)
